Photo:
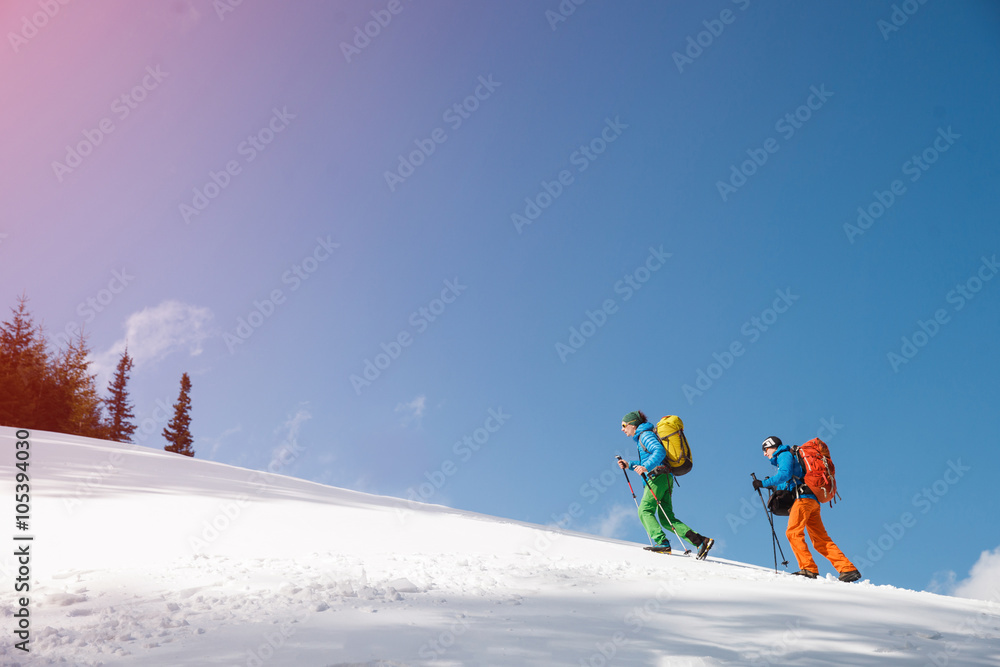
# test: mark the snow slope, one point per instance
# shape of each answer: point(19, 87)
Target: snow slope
point(141, 557)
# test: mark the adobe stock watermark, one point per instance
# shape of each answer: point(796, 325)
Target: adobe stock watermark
point(294, 276)
point(275, 639)
point(786, 126)
point(900, 14)
point(434, 649)
point(121, 108)
point(230, 511)
point(364, 34)
point(92, 482)
point(750, 504)
point(752, 329)
point(590, 491)
point(562, 12)
point(915, 167)
point(223, 7)
point(777, 653)
point(464, 450)
point(958, 297)
point(419, 321)
point(581, 158)
point(455, 116)
point(627, 286)
point(89, 308)
point(249, 149)
point(924, 500)
point(31, 24)
point(635, 621)
point(153, 424)
point(697, 44)
point(983, 623)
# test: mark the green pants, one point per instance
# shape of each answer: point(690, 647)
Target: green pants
point(663, 486)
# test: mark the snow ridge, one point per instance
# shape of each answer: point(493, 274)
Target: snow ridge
point(147, 558)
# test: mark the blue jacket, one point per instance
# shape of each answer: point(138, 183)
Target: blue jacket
point(650, 450)
point(790, 474)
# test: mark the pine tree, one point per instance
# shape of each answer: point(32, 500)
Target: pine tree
point(26, 381)
point(119, 425)
point(84, 416)
point(178, 430)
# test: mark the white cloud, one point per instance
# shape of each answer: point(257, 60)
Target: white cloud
point(215, 443)
point(614, 523)
point(414, 410)
point(153, 333)
point(289, 451)
point(942, 583)
point(983, 582)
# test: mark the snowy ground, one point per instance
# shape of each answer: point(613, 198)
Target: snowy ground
point(141, 557)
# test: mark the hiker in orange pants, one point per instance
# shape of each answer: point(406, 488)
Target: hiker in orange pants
point(804, 514)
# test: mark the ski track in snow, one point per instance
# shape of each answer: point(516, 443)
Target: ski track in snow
point(316, 576)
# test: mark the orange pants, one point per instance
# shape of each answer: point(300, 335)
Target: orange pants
point(805, 515)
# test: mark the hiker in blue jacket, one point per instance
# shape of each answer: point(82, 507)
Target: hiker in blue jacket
point(804, 513)
point(659, 486)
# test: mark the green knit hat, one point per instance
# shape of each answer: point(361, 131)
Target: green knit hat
point(632, 418)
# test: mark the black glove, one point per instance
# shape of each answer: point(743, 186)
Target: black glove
point(757, 484)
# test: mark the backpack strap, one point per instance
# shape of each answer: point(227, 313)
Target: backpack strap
point(665, 465)
point(794, 449)
point(801, 487)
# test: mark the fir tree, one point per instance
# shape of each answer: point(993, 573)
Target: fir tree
point(78, 385)
point(26, 381)
point(119, 425)
point(178, 430)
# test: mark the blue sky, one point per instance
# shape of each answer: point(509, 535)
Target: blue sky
point(271, 200)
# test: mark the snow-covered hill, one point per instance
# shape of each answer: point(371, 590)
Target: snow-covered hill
point(140, 557)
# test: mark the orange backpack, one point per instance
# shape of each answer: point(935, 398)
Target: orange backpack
point(814, 456)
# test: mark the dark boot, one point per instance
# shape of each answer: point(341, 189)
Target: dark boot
point(706, 544)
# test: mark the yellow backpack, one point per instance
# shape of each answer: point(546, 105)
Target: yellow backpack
point(670, 431)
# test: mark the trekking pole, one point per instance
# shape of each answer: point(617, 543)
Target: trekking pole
point(774, 535)
point(660, 507)
point(633, 495)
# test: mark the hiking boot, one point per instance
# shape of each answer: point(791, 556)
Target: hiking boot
point(807, 574)
point(852, 575)
point(661, 548)
point(694, 538)
point(706, 544)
